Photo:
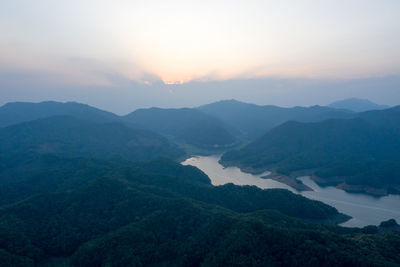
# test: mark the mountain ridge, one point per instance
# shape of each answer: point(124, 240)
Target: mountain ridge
point(73, 137)
point(357, 105)
point(255, 120)
point(18, 112)
point(358, 151)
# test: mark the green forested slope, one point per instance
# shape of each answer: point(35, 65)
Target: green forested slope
point(99, 213)
point(68, 136)
point(18, 112)
point(185, 125)
point(360, 151)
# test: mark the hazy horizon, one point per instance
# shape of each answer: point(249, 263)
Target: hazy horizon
point(125, 55)
point(285, 92)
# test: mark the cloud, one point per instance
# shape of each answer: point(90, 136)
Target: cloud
point(208, 40)
point(120, 55)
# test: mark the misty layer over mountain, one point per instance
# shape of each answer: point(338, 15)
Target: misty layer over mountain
point(127, 95)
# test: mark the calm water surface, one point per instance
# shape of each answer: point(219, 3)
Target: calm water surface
point(364, 209)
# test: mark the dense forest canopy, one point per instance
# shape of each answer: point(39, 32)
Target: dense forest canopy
point(94, 189)
point(112, 212)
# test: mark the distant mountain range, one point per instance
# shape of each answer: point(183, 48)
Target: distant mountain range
point(357, 105)
point(214, 126)
point(253, 120)
point(181, 125)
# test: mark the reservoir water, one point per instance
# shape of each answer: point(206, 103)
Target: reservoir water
point(365, 209)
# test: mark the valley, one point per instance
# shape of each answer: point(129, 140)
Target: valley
point(84, 187)
point(364, 209)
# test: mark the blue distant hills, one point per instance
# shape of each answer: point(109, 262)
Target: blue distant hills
point(357, 105)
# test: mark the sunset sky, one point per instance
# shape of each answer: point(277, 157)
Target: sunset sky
point(121, 45)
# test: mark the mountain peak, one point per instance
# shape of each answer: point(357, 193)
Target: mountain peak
point(357, 105)
point(17, 112)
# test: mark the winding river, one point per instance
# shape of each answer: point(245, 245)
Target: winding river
point(364, 209)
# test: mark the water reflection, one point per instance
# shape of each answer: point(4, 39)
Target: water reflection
point(364, 209)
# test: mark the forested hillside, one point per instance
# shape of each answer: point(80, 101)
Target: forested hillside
point(185, 125)
point(14, 113)
point(90, 212)
point(361, 152)
point(68, 136)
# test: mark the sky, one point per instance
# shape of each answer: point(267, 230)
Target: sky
point(123, 55)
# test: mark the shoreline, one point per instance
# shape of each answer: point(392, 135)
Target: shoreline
point(343, 208)
point(281, 178)
point(290, 181)
point(339, 183)
point(299, 186)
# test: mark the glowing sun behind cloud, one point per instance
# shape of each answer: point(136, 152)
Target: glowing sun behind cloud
point(179, 41)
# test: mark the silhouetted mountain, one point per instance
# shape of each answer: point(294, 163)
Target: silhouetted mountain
point(359, 152)
point(86, 212)
point(184, 125)
point(254, 120)
point(14, 113)
point(68, 136)
point(387, 119)
point(357, 105)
